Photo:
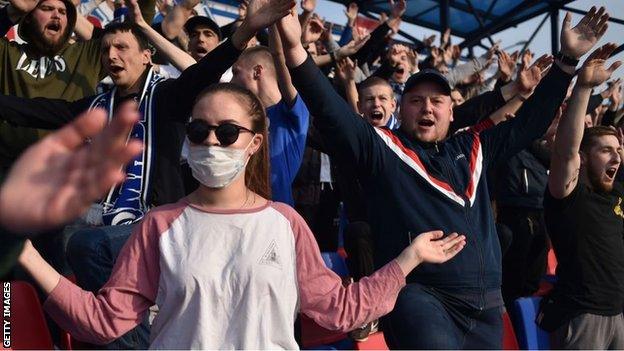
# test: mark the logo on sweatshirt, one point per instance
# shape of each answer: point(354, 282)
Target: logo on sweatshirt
point(270, 256)
point(618, 208)
point(42, 67)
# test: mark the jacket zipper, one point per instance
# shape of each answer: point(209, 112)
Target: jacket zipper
point(476, 235)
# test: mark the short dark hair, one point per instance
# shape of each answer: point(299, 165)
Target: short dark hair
point(372, 81)
point(592, 134)
point(133, 28)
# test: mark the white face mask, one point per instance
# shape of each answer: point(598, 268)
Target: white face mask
point(216, 166)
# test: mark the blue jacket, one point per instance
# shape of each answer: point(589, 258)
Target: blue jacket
point(414, 187)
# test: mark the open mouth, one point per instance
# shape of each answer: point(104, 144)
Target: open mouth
point(54, 27)
point(611, 171)
point(202, 51)
point(400, 70)
point(426, 123)
point(116, 69)
point(377, 115)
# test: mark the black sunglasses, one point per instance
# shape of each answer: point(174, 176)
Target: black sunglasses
point(198, 130)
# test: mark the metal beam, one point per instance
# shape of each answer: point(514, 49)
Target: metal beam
point(479, 19)
point(490, 9)
point(581, 12)
point(444, 16)
point(465, 8)
point(425, 11)
point(554, 31)
point(502, 23)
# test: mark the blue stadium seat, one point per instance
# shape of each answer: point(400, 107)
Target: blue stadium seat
point(336, 263)
point(530, 336)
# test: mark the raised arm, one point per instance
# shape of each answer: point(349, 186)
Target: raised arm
point(538, 111)
point(287, 89)
point(347, 135)
point(260, 14)
point(565, 160)
point(178, 57)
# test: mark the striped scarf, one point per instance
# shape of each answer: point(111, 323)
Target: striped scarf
point(126, 203)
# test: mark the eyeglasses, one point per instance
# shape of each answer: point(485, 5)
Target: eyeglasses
point(198, 130)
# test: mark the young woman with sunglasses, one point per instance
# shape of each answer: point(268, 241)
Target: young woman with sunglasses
point(228, 268)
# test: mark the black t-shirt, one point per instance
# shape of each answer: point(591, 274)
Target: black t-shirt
point(587, 232)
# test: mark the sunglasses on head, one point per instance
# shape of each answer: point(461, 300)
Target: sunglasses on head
point(198, 130)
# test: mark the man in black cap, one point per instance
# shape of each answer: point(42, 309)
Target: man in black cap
point(418, 179)
point(204, 35)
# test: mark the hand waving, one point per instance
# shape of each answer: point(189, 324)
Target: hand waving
point(57, 179)
point(594, 72)
point(431, 248)
point(577, 41)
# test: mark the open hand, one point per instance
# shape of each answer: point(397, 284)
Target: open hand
point(345, 69)
point(430, 247)
point(58, 178)
point(528, 78)
point(577, 41)
point(312, 30)
point(135, 14)
point(352, 12)
point(506, 66)
point(262, 13)
point(351, 48)
point(398, 8)
point(594, 72)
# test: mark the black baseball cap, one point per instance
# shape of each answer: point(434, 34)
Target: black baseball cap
point(428, 75)
point(194, 21)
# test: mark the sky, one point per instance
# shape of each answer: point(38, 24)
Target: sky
point(540, 45)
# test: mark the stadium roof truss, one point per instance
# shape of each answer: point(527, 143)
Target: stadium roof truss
point(475, 20)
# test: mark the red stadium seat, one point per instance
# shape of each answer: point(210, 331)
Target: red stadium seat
point(509, 336)
point(313, 334)
point(28, 326)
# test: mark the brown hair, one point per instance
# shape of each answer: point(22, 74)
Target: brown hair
point(591, 134)
point(257, 171)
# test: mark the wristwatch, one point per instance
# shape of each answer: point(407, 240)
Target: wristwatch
point(571, 61)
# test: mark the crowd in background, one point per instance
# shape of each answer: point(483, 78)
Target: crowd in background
point(371, 140)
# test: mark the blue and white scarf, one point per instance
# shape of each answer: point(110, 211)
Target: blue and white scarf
point(126, 203)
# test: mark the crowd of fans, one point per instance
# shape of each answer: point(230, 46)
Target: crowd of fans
point(197, 171)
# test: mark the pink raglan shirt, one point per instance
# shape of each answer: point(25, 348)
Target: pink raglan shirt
point(222, 280)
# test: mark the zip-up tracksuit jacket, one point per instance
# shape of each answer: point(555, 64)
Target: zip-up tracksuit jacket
point(415, 187)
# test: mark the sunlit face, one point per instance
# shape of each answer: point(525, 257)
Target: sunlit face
point(377, 104)
point(123, 58)
point(50, 21)
point(426, 112)
point(202, 40)
point(602, 161)
point(223, 107)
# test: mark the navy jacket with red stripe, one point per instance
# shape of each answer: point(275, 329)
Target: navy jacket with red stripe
point(413, 187)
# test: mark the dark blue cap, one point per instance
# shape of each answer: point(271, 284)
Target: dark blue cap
point(428, 75)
